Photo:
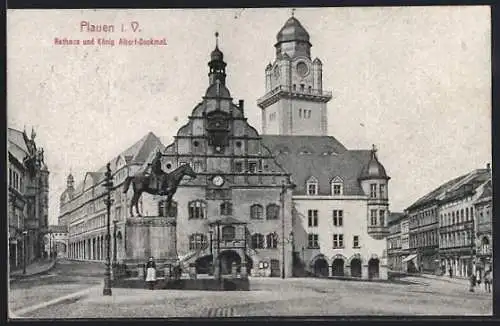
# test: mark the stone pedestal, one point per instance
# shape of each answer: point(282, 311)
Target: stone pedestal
point(150, 237)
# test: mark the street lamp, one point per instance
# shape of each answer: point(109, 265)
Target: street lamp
point(108, 183)
point(114, 242)
point(25, 234)
point(211, 250)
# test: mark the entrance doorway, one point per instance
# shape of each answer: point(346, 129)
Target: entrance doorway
point(338, 267)
point(321, 267)
point(356, 268)
point(373, 268)
point(227, 258)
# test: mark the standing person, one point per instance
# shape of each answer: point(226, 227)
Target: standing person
point(487, 280)
point(450, 271)
point(151, 273)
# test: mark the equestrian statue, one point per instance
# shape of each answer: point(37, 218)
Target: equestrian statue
point(158, 182)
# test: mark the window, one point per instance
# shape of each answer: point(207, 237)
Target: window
point(226, 208)
point(337, 183)
point(197, 241)
point(338, 217)
point(461, 216)
point(272, 240)
point(310, 89)
point(162, 208)
point(228, 233)
point(257, 241)
point(373, 190)
point(312, 186)
point(382, 191)
point(272, 212)
point(302, 87)
point(312, 241)
point(238, 166)
point(197, 209)
point(373, 217)
point(256, 211)
point(466, 214)
point(471, 213)
point(198, 166)
point(382, 217)
point(294, 87)
point(300, 113)
point(252, 167)
point(338, 241)
point(10, 178)
point(312, 217)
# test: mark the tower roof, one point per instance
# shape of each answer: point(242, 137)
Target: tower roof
point(374, 169)
point(292, 31)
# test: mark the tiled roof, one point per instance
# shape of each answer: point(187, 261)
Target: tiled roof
point(138, 153)
point(16, 145)
point(440, 192)
point(394, 217)
point(345, 164)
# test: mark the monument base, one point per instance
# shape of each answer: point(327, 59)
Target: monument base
point(149, 236)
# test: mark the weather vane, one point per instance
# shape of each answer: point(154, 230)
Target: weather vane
point(217, 39)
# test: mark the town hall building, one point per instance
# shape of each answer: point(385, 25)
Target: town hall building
point(290, 201)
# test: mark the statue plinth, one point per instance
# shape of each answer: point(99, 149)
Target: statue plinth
point(151, 236)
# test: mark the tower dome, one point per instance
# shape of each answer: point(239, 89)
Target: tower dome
point(292, 31)
point(374, 169)
point(216, 54)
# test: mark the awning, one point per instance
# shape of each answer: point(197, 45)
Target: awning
point(410, 257)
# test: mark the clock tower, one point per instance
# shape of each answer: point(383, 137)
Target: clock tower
point(295, 102)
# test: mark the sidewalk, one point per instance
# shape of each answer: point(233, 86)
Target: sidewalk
point(35, 268)
point(461, 281)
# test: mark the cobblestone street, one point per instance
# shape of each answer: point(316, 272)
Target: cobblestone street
point(272, 297)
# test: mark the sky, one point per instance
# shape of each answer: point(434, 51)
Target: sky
point(414, 81)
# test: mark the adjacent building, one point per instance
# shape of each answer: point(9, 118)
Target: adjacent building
point(308, 204)
point(457, 222)
point(394, 242)
point(444, 227)
point(483, 229)
point(28, 193)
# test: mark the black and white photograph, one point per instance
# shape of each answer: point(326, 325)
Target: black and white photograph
point(253, 162)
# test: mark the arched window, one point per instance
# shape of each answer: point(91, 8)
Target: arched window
point(226, 208)
point(337, 186)
point(272, 212)
point(312, 186)
point(257, 241)
point(197, 241)
point(197, 209)
point(272, 240)
point(228, 233)
point(256, 212)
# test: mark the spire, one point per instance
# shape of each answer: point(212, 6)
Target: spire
point(217, 64)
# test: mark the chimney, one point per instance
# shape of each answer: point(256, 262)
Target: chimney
point(241, 105)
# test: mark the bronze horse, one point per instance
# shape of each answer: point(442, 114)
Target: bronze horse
point(141, 182)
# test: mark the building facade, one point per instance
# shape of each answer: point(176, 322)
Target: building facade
point(483, 229)
point(28, 189)
point(394, 242)
point(457, 223)
point(341, 199)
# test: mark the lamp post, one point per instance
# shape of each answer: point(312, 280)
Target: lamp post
point(114, 242)
point(25, 233)
point(108, 183)
point(211, 251)
point(282, 199)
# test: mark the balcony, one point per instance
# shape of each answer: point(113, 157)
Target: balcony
point(378, 232)
point(314, 94)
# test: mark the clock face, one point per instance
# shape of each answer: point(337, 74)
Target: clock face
point(218, 180)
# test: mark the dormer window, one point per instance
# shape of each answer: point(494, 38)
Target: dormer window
point(337, 186)
point(312, 186)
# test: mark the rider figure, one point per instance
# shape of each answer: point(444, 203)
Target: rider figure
point(156, 170)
